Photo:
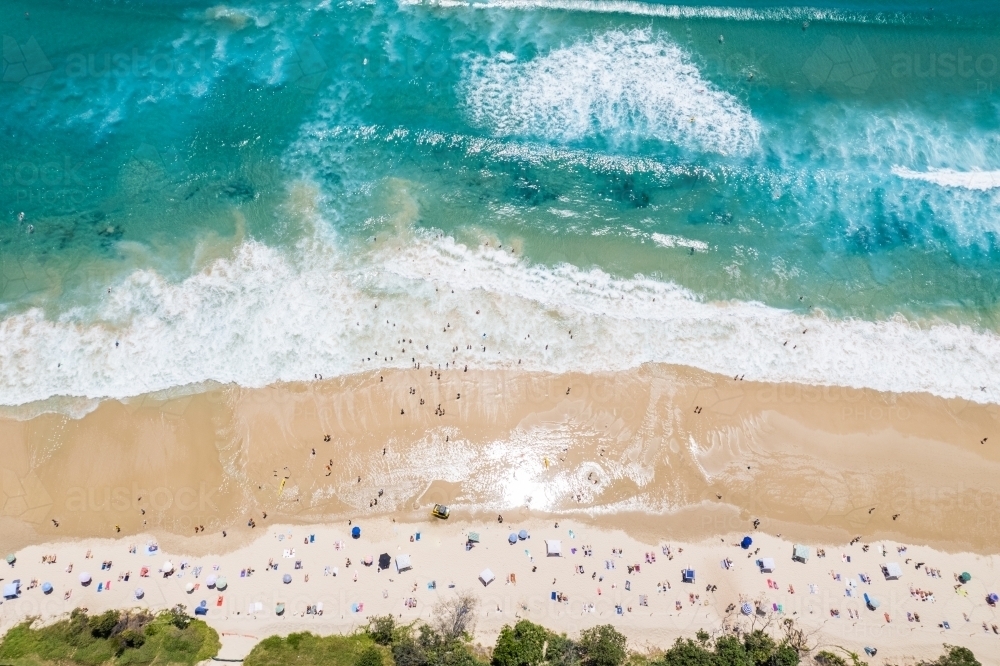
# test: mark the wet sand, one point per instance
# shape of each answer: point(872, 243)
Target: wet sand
point(661, 452)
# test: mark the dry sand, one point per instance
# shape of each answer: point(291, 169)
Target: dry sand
point(660, 453)
point(655, 605)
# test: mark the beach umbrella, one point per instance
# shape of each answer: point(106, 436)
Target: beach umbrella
point(189, 588)
point(167, 567)
point(279, 609)
point(512, 538)
point(992, 599)
point(47, 587)
point(746, 543)
point(11, 558)
point(965, 577)
point(384, 560)
point(522, 535)
point(286, 579)
point(220, 583)
point(139, 593)
point(747, 609)
point(210, 581)
point(85, 578)
point(356, 532)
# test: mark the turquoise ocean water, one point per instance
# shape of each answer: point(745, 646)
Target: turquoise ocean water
point(194, 192)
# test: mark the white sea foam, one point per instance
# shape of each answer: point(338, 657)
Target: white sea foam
point(966, 180)
point(669, 240)
point(617, 86)
point(266, 315)
point(633, 8)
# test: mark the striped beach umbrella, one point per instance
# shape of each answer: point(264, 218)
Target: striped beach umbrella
point(747, 609)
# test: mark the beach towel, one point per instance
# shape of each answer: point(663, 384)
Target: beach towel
point(218, 602)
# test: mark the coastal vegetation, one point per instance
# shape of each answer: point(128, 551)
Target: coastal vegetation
point(120, 638)
point(116, 637)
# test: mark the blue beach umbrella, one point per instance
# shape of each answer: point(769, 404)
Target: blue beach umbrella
point(47, 587)
point(356, 532)
point(139, 593)
point(747, 609)
point(522, 535)
point(286, 579)
point(512, 538)
point(746, 543)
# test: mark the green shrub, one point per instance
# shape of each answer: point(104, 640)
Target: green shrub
point(826, 658)
point(369, 657)
point(103, 625)
point(382, 629)
point(115, 637)
point(955, 656)
point(520, 645)
point(603, 646)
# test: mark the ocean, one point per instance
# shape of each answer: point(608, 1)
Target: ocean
point(197, 194)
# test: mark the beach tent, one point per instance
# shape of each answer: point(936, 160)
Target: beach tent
point(486, 577)
point(965, 577)
point(85, 578)
point(47, 587)
point(553, 548)
point(139, 593)
point(746, 543)
point(221, 583)
point(403, 563)
point(687, 575)
point(12, 590)
point(356, 532)
point(512, 538)
point(891, 571)
point(210, 581)
point(384, 560)
point(522, 535)
point(872, 602)
point(766, 564)
point(800, 553)
point(286, 579)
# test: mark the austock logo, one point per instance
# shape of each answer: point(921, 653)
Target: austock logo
point(835, 63)
point(25, 64)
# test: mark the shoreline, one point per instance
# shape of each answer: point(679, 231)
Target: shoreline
point(807, 592)
point(700, 453)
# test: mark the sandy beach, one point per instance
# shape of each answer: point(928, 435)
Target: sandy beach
point(599, 576)
point(633, 461)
